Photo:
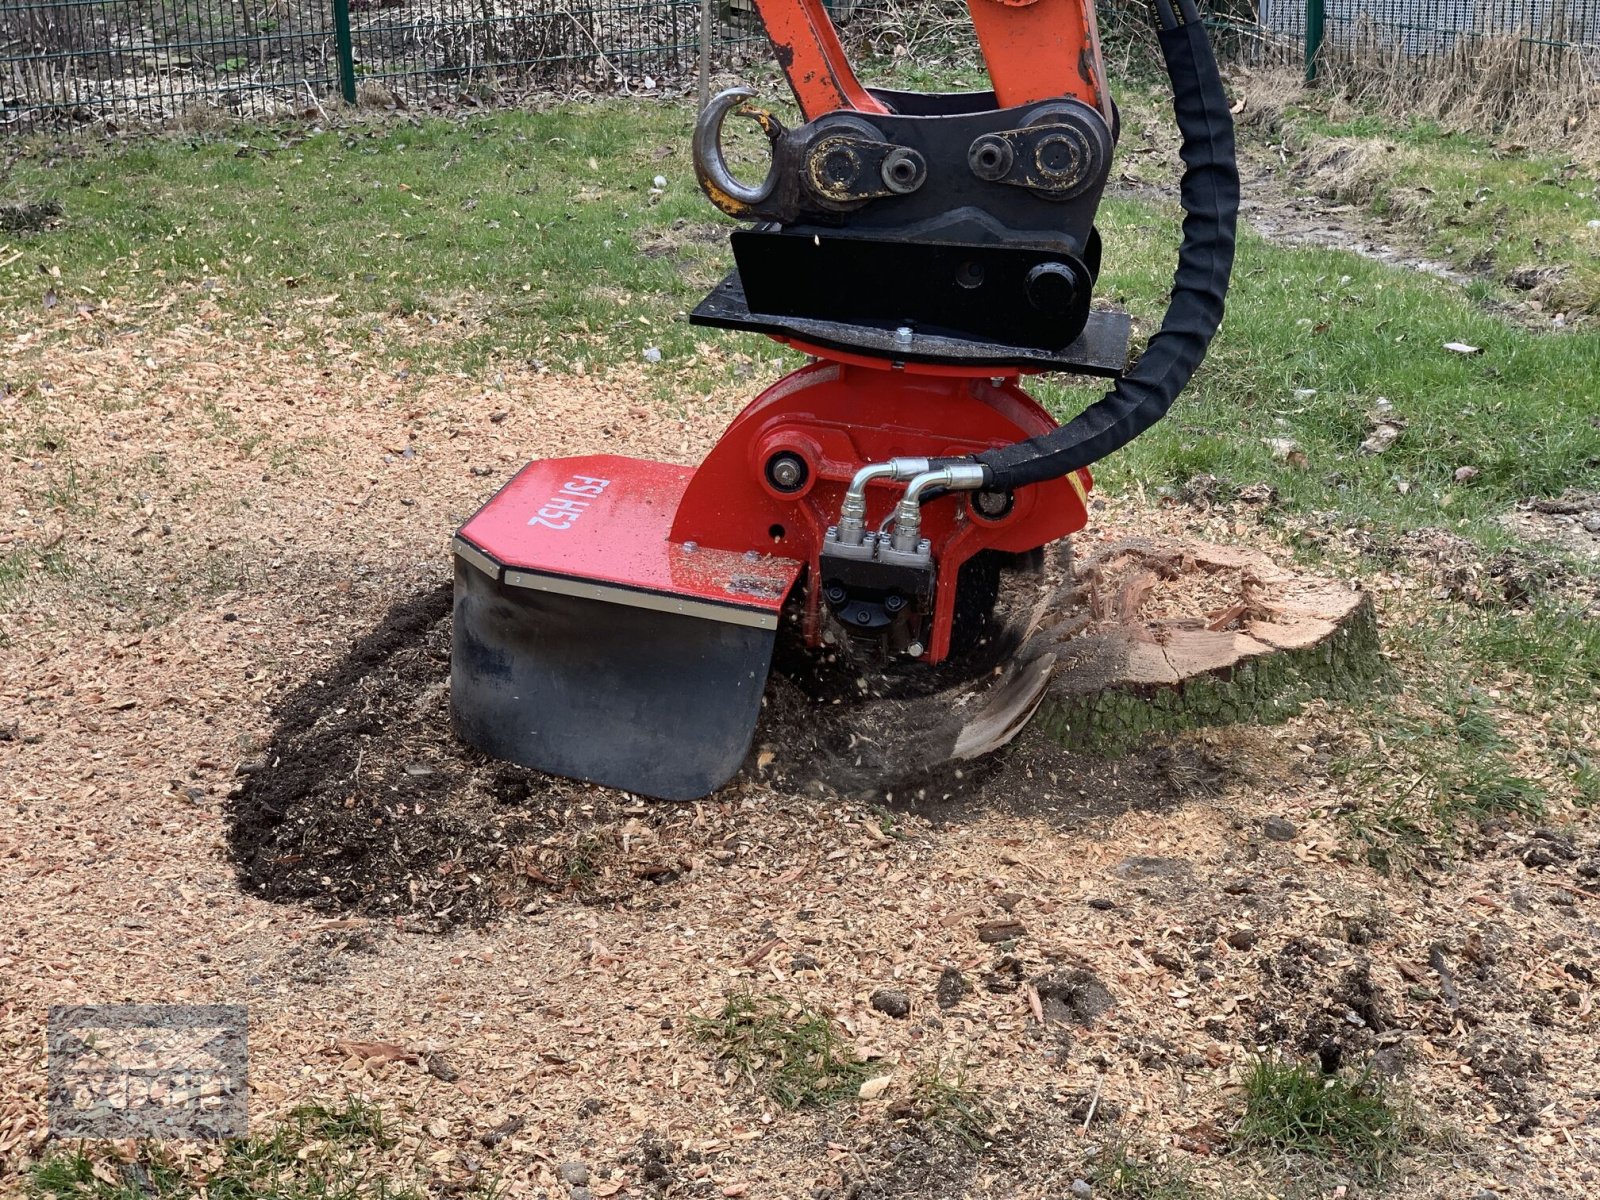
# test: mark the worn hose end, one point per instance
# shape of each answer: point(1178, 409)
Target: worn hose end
point(907, 531)
point(898, 469)
point(952, 476)
point(711, 168)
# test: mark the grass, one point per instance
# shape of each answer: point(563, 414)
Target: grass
point(1313, 339)
point(1431, 766)
point(521, 235)
point(19, 568)
point(319, 1152)
point(583, 863)
point(1489, 205)
point(793, 1054)
point(1295, 1109)
point(1120, 1174)
point(949, 1107)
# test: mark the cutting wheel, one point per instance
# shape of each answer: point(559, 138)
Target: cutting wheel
point(855, 725)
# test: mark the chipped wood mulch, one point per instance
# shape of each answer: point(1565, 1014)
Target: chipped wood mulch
point(225, 518)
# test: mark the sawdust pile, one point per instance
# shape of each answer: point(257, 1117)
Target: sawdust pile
point(220, 521)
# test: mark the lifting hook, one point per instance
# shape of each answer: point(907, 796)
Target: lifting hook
point(711, 169)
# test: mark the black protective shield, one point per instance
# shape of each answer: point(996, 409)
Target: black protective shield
point(647, 701)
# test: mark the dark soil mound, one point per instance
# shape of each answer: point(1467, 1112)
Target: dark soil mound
point(365, 800)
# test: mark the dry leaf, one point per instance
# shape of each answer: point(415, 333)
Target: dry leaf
point(1381, 439)
point(383, 1052)
point(873, 1088)
point(1281, 448)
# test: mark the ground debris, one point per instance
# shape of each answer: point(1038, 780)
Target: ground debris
point(29, 216)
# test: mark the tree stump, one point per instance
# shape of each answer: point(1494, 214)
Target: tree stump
point(1173, 635)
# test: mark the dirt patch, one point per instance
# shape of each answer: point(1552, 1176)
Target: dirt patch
point(1570, 524)
point(29, 217)
point(365, 800)
point(1514, 577)
point(1321, 197)
point(362, 800)
point(683, 234)
point(1013, 1139)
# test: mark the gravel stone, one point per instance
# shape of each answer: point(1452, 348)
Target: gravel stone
point(1279, 829)
point(575, 1174)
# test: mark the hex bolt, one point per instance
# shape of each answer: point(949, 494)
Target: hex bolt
point(894, 604)
point(902, 335)
point(992, 505)
point(903, 170)
point(916, 650)
point(990, 157)
point(786, 471)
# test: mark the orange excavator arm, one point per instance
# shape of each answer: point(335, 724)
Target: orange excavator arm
point(1034, 49)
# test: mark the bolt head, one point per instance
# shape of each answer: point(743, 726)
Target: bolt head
point(916, 650)
point(903, 335)
point(991, 504)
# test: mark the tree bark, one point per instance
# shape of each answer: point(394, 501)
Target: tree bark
point(1185, 634)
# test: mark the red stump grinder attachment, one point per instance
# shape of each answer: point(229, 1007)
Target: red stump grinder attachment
point(615, 619)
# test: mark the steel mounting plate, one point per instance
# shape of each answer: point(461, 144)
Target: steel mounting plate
point(1101, 350)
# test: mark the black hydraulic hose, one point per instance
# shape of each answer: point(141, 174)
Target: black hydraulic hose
point(1210, 197)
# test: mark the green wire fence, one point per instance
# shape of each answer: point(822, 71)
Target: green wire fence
point(105, 65)
point(121, 63)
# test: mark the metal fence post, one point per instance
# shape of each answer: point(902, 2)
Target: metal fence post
point(704, 90)
point(346, 50)
point(1316, 22)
